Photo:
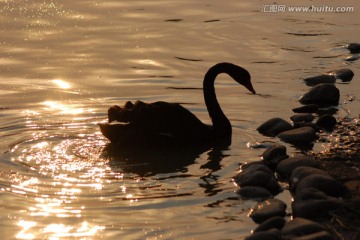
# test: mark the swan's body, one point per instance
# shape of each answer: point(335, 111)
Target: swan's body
point(168, 124)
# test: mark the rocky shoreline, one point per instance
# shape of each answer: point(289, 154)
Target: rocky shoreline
point(325, 185)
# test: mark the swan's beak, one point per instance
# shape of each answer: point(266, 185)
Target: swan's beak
point(251, 89)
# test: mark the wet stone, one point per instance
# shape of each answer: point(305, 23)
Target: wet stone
point(344, 74)
point(311, 108)
point(301, 135)
point(258, 175)
point(326, 122)
point(312, 81)
point(268, 235)
point(323, 235)
point(287, 166)
point(300, 173)
point(313, 204)
point(252, 192)
point(324, 183)
point(273, 155)
point(271, 223)
point(268, 209)
point(300, 227)
point(353, 47)
point(274, 126)
point(323, 94)
point(302, 117)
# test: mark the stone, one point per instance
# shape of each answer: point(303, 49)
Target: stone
point(353, 47)
point(258, 175)
point(323, 235)
point(253, 192)
point(299, 136)
point(326, 122)
point(326, 184)
point(344, 74)
point(268, 209)
point(312, 81)
point(300, 173)
point(286, 166)
point(311, 108)
point(311, 203)
point(302, 117)
point(274, 126)
point(271, 223)
point(273, 155)
point(299, 227)
point(324, 94)
point(268, 235)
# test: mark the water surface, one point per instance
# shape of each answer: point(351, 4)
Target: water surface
point(63, 63)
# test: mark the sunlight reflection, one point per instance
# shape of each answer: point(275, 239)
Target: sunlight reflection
point(63, 108)
point(62, 84)
point(25, 225)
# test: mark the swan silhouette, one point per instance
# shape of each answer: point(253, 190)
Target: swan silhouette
point(170, 124)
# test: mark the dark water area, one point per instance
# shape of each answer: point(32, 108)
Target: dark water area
point(64, 63)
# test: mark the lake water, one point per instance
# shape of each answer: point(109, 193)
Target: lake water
point(64, 63)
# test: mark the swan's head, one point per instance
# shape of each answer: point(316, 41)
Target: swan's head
point(242, 76)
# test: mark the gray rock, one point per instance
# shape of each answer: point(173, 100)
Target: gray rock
point(273, 155)
point(268, 235)
point(312, 81)
point(300, 173)
point(344, 74)
point(324, 94)
point(326, 122)
point(311, 203)
point(353, 47)
point(253, 192)
point(286, 166)
point(324, 183)
point(259, 176)
point(299, 227)
point(268, 209)
point(271, 223)
point(302, 117)
point(301, 135)
point(311, 108)
point(273, 127)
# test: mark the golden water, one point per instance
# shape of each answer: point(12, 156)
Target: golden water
point(63, 63)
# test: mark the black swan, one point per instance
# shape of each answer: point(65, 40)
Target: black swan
point(170, 124)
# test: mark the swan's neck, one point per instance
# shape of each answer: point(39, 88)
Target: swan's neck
point(221, 124)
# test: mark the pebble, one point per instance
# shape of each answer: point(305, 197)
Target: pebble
point(287, 166)
point(273, 155)
point(300, 227)
point(302, 117)
point(300, 173)
point(311, 203)
point(312, 81)
point(299, 136)
point(326, 122)
point(274, 126)
point(323, 94)
point(268, 235)
point(353, 47)
point(268, 209)
point(344, 74)
point(271, 223)
point(258, 175)
point(326, 184)
point(311, 108)
point(253, 192)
